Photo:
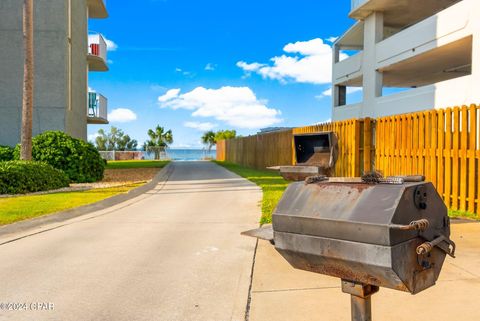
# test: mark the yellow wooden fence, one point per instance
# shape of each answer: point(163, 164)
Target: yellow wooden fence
point(354, 143)
point(442, 144)
point(272, 149)
point(258, 151)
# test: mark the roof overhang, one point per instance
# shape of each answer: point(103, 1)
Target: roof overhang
point(400, 13)
point(352, 39)
point(97, 9)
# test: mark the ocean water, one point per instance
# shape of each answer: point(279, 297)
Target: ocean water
point(185, 154)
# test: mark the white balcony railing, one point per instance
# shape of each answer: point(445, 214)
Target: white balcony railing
point(97, 46)
point(443, 28)
point(97, 108)
point(348, 68)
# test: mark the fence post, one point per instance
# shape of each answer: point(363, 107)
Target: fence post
point(356, 148)
point(367, 145)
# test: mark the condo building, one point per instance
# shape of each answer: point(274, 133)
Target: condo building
point(407, 56)
point(65, 52)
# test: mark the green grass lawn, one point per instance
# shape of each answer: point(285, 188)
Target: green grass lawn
point(463, 214)
point(271, 182)
point(13, 209)
point(135, 164)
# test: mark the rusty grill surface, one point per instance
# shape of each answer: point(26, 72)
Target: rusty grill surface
point(366, 233)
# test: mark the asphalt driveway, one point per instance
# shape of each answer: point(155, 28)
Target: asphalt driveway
point(172, 254)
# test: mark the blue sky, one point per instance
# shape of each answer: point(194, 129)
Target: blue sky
point(210, 63)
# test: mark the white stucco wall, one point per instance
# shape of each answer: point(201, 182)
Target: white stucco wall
point(452, 24)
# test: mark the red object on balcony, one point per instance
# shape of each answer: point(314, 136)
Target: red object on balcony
point(94, 47)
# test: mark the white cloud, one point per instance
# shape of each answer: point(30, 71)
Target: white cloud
point(328, 92)
point(185, 73)
point(92, 137)
point(328, 120)
point(122, 115)
point(249, 67)
point(210, 67)
point(157, 87)
point(111, 46)
point(307, 62)
point(170, 94)
point(200, 126)
point(236, 106)
point(332, 39)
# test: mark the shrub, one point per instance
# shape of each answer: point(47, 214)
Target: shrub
point(18, 177)
point(78, 159)
point(6, 153)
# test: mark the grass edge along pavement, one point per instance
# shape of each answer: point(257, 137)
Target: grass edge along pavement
point(271, 183)
point(135, 164)
point(20, 208)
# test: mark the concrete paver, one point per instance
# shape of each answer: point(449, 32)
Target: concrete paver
point(172, 254)
point(281, 293)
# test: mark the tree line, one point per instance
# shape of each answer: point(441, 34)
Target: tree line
point(210, 138)
point(117, 140)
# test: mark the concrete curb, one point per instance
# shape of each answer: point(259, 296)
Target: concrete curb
point(23, 226)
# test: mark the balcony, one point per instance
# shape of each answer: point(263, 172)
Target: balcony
point(399, 14)
point(349, 70)
point(97, 9)
point(444, 28)
point(97, 109)
point(97, 53)
point(454, 92)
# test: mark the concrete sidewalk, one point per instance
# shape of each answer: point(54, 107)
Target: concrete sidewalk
point(280, 293)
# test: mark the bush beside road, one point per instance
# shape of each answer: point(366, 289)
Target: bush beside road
point(120, 178)
point(78, 159)
point(18, 177)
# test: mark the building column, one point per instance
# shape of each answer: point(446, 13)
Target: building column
point(372, 79)
point(475, 67)
point(338, 92)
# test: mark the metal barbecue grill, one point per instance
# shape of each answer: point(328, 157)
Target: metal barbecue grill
point(315, 154)
point(370, 233)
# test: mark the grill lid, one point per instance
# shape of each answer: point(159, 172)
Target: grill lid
point(360, 212)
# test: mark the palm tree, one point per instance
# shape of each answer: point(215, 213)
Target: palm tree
point(159, 140)
point(28, 82)
point(225, 134)
point(209, 139)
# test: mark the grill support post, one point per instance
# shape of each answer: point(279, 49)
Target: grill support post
point(361, 301)
point(361, 308)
